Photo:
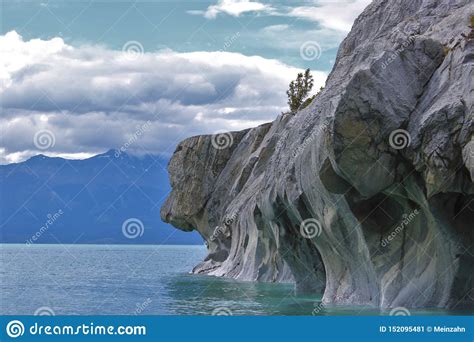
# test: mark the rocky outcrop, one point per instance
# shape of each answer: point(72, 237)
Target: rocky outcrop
point(366, 196)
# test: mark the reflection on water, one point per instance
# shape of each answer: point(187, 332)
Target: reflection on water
point(249, 298)
point(142, 280)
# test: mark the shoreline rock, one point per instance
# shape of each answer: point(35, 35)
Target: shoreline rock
point(313, 196)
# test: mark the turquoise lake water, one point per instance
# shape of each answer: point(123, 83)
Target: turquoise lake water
point(140, 280)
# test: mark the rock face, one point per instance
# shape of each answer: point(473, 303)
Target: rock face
point(366, 196)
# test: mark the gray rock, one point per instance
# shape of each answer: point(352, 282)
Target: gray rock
point(366, 196)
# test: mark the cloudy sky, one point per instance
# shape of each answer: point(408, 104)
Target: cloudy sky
point(78, 78)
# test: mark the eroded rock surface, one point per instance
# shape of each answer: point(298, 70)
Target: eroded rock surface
point(366, 196)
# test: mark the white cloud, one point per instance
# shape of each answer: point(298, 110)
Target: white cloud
point(277, 28)
point(93, 98)
point(336, 15)
point(232, 7)
point(271, 36)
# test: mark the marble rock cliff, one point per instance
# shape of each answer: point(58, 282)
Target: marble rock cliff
point(366, 196)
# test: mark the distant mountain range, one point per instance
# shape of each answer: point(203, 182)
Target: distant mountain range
point(109, 198)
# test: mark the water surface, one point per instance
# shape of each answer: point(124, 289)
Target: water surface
point(140, 280)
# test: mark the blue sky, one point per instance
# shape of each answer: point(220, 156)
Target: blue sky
point(91, 74)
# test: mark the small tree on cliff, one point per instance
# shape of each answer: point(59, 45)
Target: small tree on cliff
point(299, 90)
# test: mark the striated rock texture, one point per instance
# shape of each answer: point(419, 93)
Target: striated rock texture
point(366, 196)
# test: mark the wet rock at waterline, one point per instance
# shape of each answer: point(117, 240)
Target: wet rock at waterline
point(366, 196)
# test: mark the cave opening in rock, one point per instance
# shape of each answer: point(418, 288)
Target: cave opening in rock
point(457, 211)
